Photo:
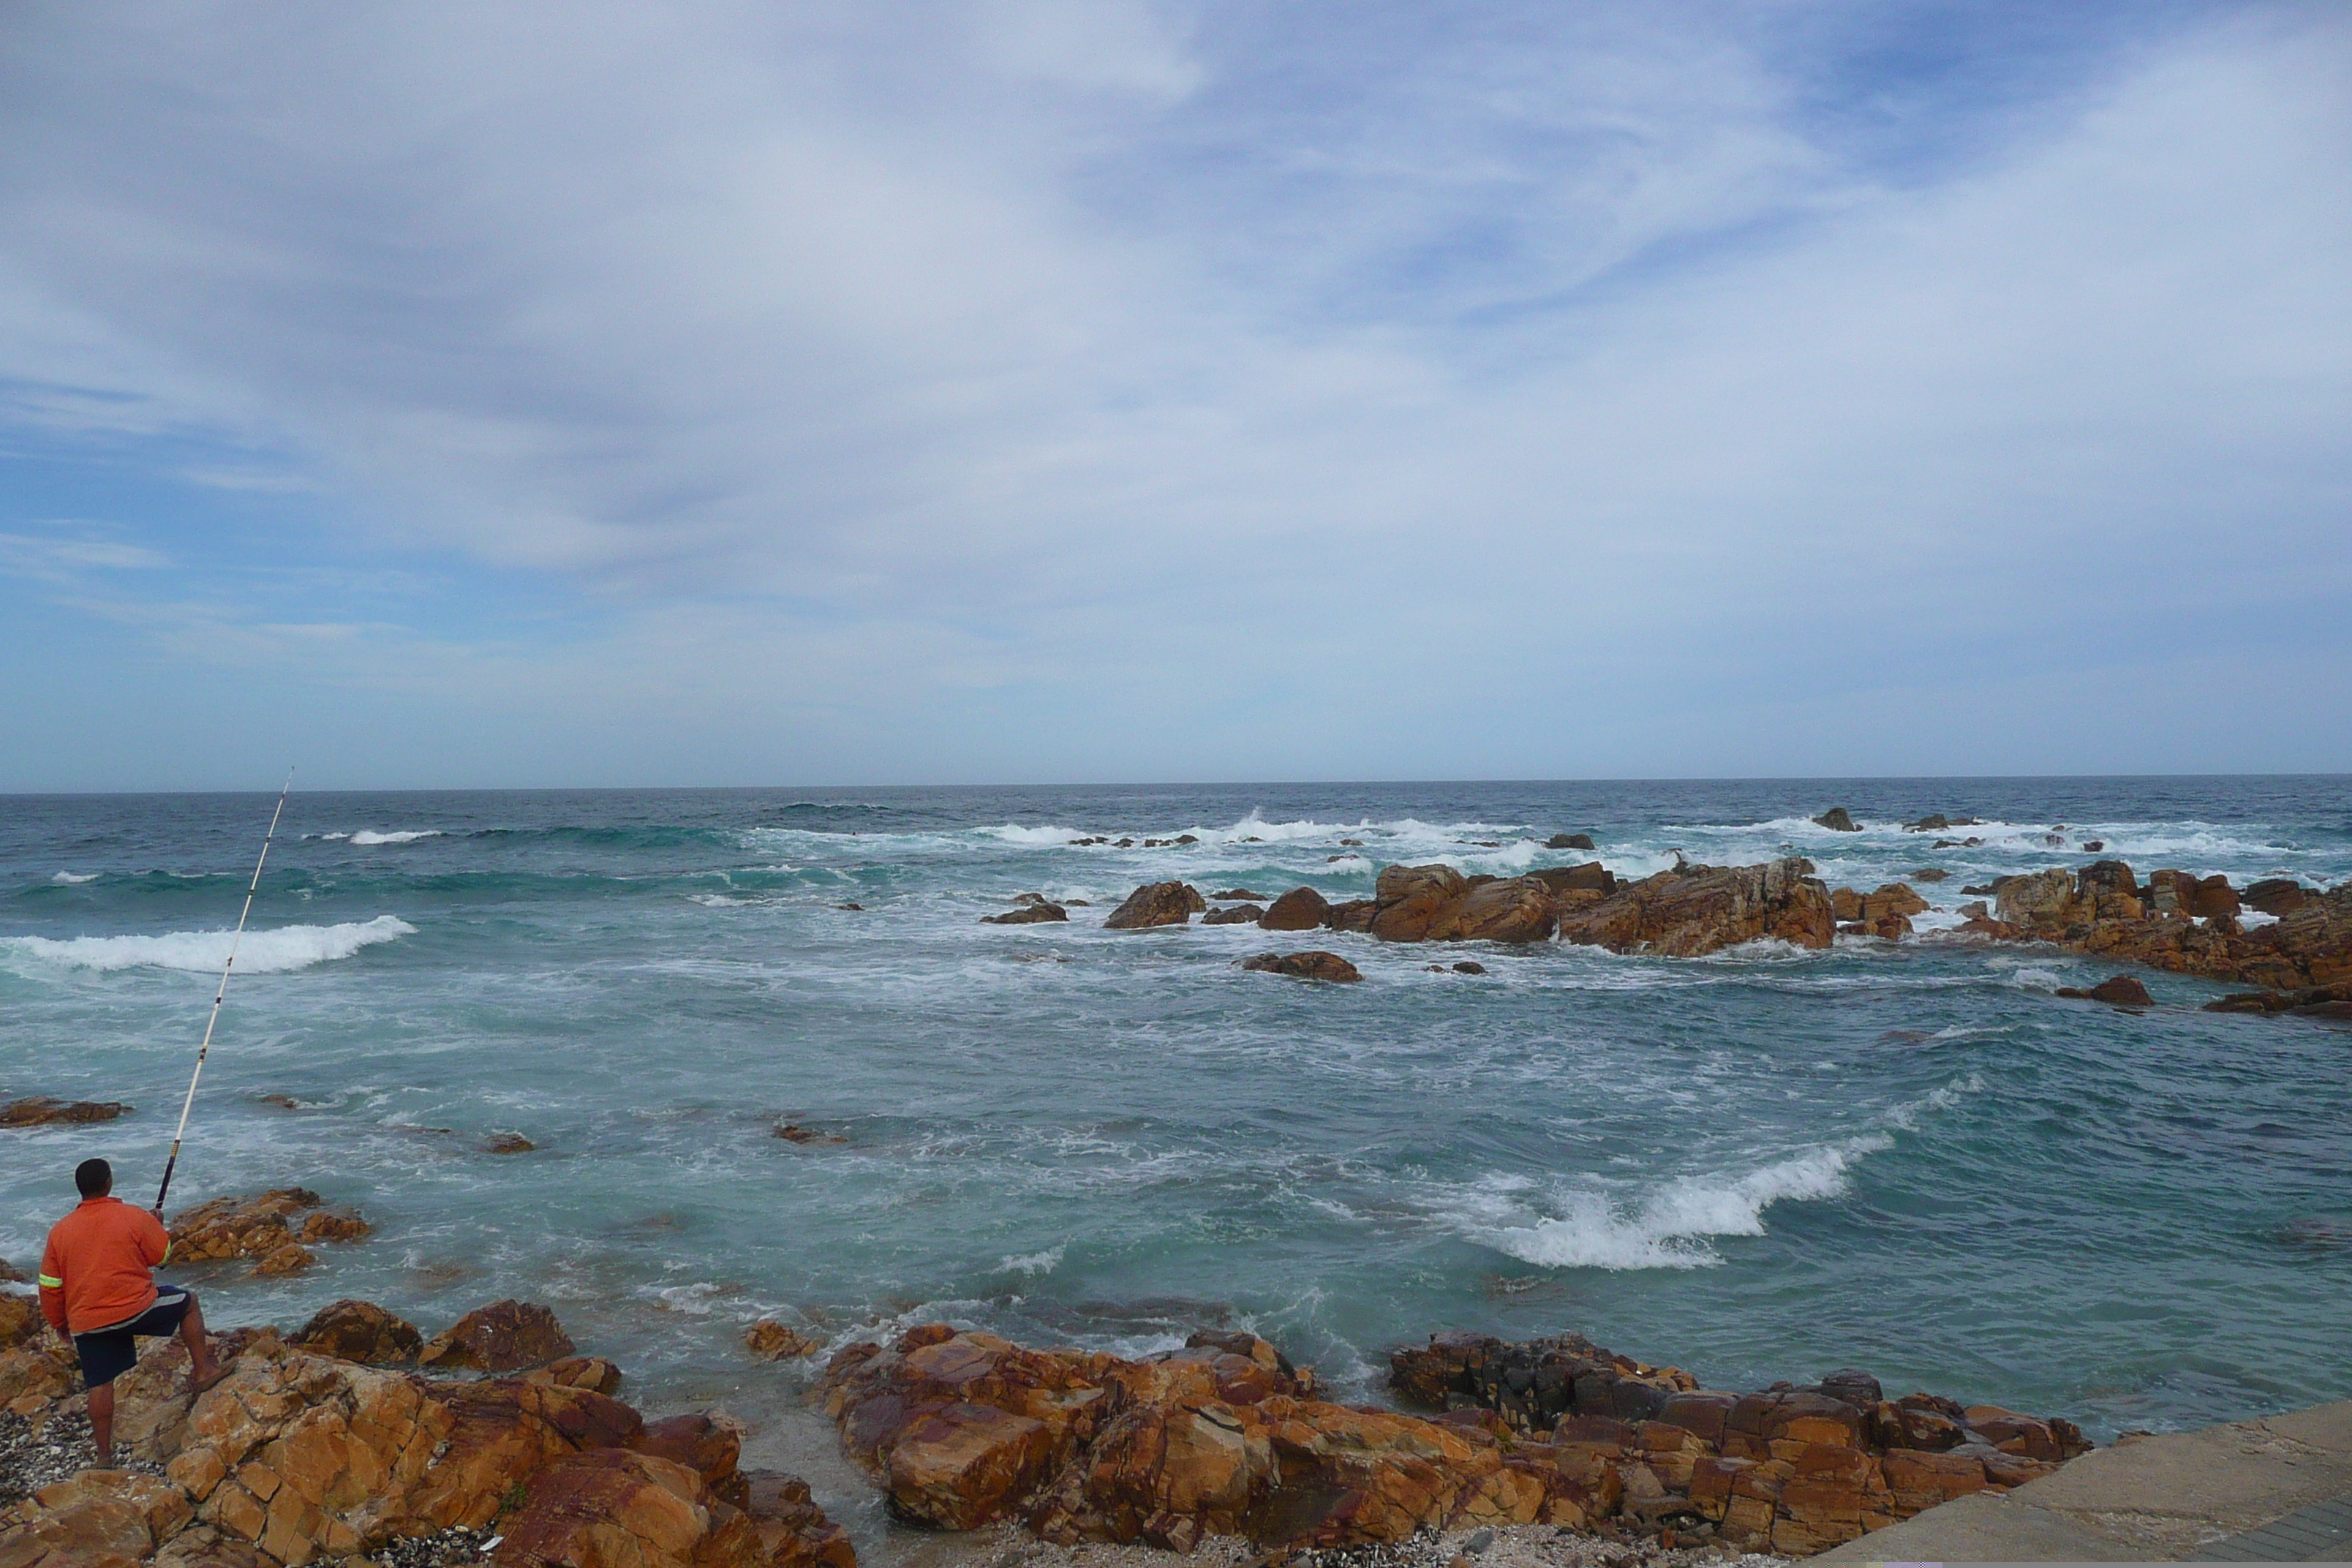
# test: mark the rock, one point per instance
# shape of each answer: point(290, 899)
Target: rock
point(791, 1530)
point(1242, 893)
point(608, 1508)
point(771, 1340)
point(360, 1331)
point(1938, 822)
point(1700, 908)
point(1569, 841)
point(1238, 915)
point(1315, 965)
point(1518, 910)
point(1469, 966)
point(501, 1337)
point(1930, 874)
point(1837, 820)
point(2121, 991)
point(2275, 896)
point(794, 1132)
point(1301, 908)
point(2093, 845)
point(1356, 915)
point(40, 1110)
point(1409, 897)
point(99, 1519)
point(263, 1229)
point(1029, 915)
point(507, 1144)
point(1157, 904)
point(2040, 898)
point(1591, 876)
point(2214, 895)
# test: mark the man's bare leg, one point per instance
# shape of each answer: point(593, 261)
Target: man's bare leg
point(101, 1423)
point(202, 1374)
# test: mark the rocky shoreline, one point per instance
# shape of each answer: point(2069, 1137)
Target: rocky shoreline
point(357, 1438)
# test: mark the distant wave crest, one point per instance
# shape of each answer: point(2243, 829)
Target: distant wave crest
point(261, 953)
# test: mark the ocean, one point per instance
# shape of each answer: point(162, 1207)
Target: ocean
point(1908, 1158)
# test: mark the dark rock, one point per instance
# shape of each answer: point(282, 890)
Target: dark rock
point(1837, 820)
point(1315, 965)
point(1241, 893)
point(1027, 915)
point(2094, 846)
point(2118, 991)
point(1938, 822)
point(2276, 896)
point(1930, 874)
point(1569, 841)
point(1238, 915)
point(504, 1336)
point(507, 1144)
point(1591, 876)
point(1356, 915)
point(1301, 908)
point(1855, 1387)
point(40, 1110)
point(360, 1331)
point(1469, 966)
point(794, 1132)
point(1157, 904)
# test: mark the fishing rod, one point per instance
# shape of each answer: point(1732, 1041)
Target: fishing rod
point(210, 1023)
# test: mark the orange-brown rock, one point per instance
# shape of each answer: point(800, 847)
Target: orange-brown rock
point(703, 1443)
point(1518, 910)
point(1355, 915)
point(1314, 965)
point(609, 1508)
point(771, 1340)
point(1029, 915)
point(1237, 915)
point(99, 1519)
point(1157, 904)
point(592, 1372)
point(2309, 947)
point(266, 1230)
point(361, 1332)
point(36, 1375)
point(1591, 878)
point(41, 1110)
point(791, 1530)
point(20, 1320)
point(1410, 897)
point(1301, 908)
point(1697, 909)
point(504, 1336)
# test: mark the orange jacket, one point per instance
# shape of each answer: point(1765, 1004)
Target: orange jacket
point(94, 1271)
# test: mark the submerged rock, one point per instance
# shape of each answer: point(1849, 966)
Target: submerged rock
point(1157, 904)
point(1040, 913)
point(771, 1340)
point(40, 1110)
point(1315, 965)
point(1238, 915)
point(1569, 841)
point(2117, 990)
point(1242, 893)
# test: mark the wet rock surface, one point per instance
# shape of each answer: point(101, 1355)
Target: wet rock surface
point(360, 1331)
point(505, 1336)
point(1314, 965)
point(1157, 904)
point(276, 1230)
point(40, 1110)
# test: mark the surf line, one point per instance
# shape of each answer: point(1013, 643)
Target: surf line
point(213, 1020)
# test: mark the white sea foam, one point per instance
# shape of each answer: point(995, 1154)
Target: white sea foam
point(1031, 1263)
point(409, 835)
point(73, 879)
point(261, 953)
point(1669, 1228)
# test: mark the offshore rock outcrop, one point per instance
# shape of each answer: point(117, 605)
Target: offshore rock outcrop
point(1697, 909)
point(1157, 904)
point(1227, 1438)
point(2103, 910)
point(41, 1110)
point(265, 1228)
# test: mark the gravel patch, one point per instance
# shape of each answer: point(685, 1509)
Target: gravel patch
point(61, 1448)
point(443, 1549)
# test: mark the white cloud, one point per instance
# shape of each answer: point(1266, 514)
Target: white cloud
point(1579, 363)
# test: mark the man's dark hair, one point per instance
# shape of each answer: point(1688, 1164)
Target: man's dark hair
point(95, 1178)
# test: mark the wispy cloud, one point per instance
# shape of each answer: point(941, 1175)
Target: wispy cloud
point(1605, 363)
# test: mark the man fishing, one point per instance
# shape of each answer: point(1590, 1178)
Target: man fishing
point(96, 1287)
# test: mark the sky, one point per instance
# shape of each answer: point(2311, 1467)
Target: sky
point(485, 394)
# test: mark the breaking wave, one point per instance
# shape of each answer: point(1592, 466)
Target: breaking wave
point(261, 953)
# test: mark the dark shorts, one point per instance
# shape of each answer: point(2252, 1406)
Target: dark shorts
point(107, 1354)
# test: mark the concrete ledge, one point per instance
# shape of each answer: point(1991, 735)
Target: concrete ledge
point(2159, 1498)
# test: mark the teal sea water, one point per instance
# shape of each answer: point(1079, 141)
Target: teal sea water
point(1913, 1159)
